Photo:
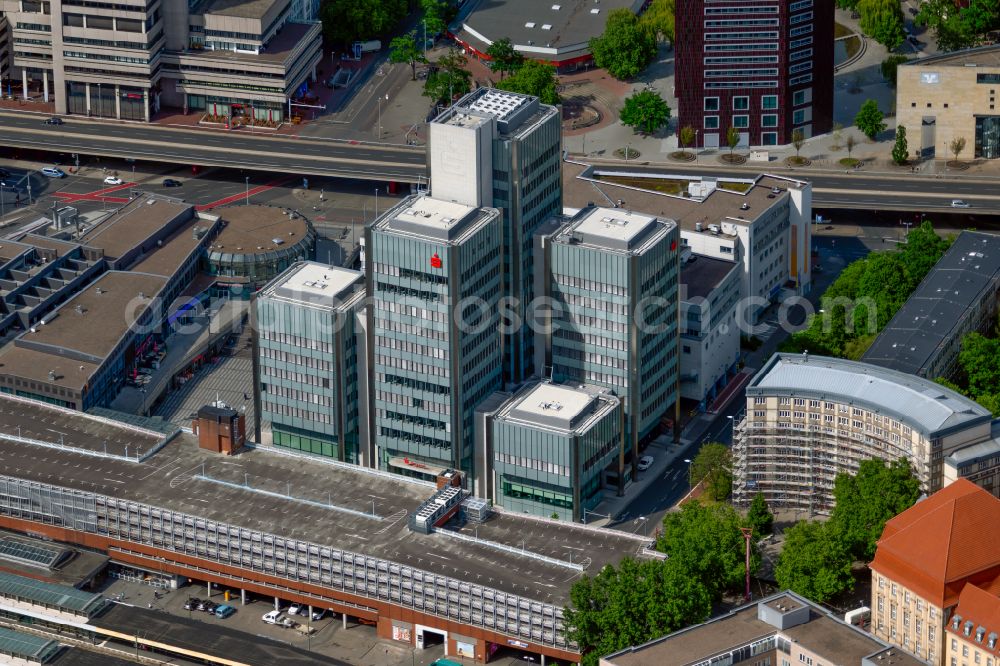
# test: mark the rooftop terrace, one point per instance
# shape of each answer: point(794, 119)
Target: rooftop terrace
point(581, 186)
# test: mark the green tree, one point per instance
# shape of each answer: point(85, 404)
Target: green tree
point(503, 58)
point(732, 139)
point(345, 21)
point(956, 146)
point(950, 32)
point(848, 4)
point(870, 120)
point(645, 111)
point(714, 466)
point(759, 516)
point(866, 500)
point(686, 136)
point(449, 79)
point(632, 604)
point(980, 16)
point(814, 562)
point(890, 66)
point(922, 250)
point(405, 49)
point(882, 20)
point(706, 542)
point(659, 18)
point(533, 78)
point(980, 361)
point(437, 15)
point(798, 139)
point(626, 46)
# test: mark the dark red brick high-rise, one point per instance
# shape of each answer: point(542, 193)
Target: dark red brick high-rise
point(764, 67)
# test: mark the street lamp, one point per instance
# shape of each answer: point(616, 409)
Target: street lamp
point(697, 151)
point(248, 190)
point(100, 102)
point(380, 115)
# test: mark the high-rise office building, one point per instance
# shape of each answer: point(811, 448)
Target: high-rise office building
point(764, 68)
point(545, 449)
point(434, 269)
point(502, 149)
point(307, 363)
point(612, 277)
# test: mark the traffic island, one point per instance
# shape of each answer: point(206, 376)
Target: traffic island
point(627, 153)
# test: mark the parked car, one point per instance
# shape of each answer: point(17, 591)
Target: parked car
point(273, 617)
point(192, 603)
point(645, 463)
point(53, 172)
point(294, 609)
point(224, 611)
point(54, 120)
point(112, 180)
point(959, 203)
point(170, 182)
point(318, 615)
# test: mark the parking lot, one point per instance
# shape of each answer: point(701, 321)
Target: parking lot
point(357, 643)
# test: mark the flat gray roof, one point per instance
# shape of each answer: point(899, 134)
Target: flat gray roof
point(94, 320)
point(314, 284)
point(551, 24)
point(823, 634)
point(982, 56)
point(583, 184)
point(561, 406)
point(614, 229)
point(133, 223)
point(985, 449)
point(933, 314)
point(433, 219)
point(57, 426)
point(173, 479)
point(922, 404)
point(701, 275)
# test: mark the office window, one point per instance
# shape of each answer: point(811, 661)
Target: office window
point(769, 102)
point(711, 122)
point(741, 103)
point(741, 122)
point(800, 97)
point(769, 120)
point(711, 103)
point(798, 116)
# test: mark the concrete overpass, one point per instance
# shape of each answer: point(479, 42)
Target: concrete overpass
point(239, 149)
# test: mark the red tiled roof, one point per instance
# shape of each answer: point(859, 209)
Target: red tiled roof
point(939, 544)
point(983, 609)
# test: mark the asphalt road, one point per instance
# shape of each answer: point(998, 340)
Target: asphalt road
point(858, 189)
point(281, 154)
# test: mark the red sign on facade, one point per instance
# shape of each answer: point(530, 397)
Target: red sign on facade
point(436, 261)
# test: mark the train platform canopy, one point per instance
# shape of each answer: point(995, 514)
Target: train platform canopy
point(48, 561)
point(23, 590)
point(26, 647)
